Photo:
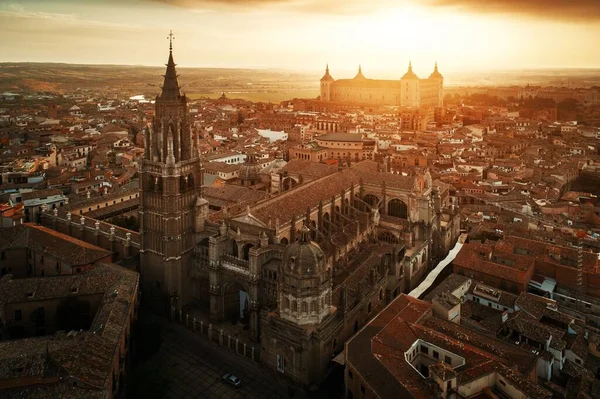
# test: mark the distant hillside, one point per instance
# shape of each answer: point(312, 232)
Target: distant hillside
point(130, 80)
point(250, 84)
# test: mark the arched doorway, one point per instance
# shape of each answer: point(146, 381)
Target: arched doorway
point(397, 208)
point(234, 249)
point(203, 293)
point(326, 222)
point(235, 303)
point(202, 247)
point(246, 251)
point(288, 183)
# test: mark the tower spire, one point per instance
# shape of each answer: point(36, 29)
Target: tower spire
point(170, 87)
point(359, 75)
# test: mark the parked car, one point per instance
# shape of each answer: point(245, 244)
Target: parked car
point(231, 380)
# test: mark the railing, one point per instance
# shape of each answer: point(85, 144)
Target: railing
point(235, 262)
point(218, 337)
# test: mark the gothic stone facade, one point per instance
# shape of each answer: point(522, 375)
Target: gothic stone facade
point(370, 235)
point(171, 208)
point(378, 232)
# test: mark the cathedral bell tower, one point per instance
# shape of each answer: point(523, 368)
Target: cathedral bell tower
point(170, 183)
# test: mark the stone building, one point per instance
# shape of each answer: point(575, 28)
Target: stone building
point(30, 250)
point(315, 311)
point(171, 207)
point(67, 336)
point(362, 236)
point(66, 316)
point(411, 351)
point(370, 234)
point(409, 91)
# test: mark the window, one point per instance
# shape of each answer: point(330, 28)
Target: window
point(447, 359)
point(18, 315)
point(502, 383)
point(350, 374)
point(424, 350)
point(362, 389)
point(436, 355)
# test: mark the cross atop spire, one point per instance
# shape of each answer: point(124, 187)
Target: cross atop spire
point(171, 37)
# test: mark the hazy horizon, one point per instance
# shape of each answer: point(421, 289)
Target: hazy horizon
point(304, 35)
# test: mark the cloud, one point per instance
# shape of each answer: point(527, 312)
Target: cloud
point(341, 7)
point(62, 19)
point(550, 9)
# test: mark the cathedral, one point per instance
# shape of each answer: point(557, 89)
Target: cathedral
point(409, 91)
point(302, 269)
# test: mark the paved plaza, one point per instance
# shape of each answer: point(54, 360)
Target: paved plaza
point(195, 367)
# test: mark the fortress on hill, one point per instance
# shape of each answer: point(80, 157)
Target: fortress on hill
point(409, 91)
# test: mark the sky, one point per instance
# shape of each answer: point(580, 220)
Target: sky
point(305, 35)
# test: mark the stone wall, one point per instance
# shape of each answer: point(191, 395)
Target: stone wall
point(122, 242)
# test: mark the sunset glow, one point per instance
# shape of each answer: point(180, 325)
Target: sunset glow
point(383, 37)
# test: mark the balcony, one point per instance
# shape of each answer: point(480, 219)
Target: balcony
point(236, 265)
